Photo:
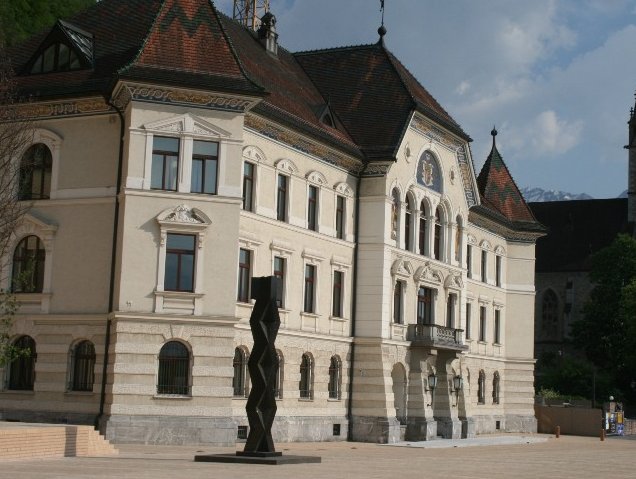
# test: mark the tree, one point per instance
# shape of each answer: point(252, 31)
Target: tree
point(15, 135)
point(19, 19)
point(607, 331)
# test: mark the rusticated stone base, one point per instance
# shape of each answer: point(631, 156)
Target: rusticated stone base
point(518, 423)
point(420, 429)
point(50, 417)
point(469, 429)
point(166, 430)
point(376, 429)
point(449, 428)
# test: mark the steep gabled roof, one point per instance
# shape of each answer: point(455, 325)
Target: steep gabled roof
point(187, 45)
point(373, 95)
point(499, 192)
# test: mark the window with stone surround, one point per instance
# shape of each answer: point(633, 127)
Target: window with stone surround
point(36, 169)
point(173, 377)
point(82, 368)
point(27, 274)
point(335, 378)
point(21, 375)
point(306, 383)
point(481, 388)
point(240, 379)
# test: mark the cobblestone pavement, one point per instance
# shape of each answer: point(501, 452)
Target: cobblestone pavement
point(566, 457)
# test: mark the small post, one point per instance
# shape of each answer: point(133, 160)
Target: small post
point(557, 431)
point(602, 434)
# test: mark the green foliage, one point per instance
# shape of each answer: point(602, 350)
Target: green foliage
point(607, 332)
point(8, 309)
point(20, 19)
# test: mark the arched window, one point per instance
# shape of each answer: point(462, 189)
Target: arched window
point(408, 217)
point(280, 375)
point(550, 314)
point(335, 378)
point(28, 266)
point(395, 213)
point(439, 237)
point(423, 236)
point(240, 379)
point(495, 388)
point(174, 369)
point(481, 388)
point(22, 369)
point(306, 384)
point(35, 173)
point(82, 367)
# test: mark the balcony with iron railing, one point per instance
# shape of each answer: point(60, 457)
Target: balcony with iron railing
point(436, 336)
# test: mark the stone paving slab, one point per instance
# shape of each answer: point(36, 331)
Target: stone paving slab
point(506, 440)
point(563, 458)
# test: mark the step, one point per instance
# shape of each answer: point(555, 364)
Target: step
point(29, 440)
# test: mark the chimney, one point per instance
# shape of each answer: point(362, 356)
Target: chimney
point(267, 33)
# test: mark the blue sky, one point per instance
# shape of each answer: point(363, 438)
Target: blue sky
point(557, 77)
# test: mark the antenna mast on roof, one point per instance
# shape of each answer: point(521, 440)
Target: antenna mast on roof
point(250, 12)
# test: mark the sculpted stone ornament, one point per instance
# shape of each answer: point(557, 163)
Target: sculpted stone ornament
point(263, 365)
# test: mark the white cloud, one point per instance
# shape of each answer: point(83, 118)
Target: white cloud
point(463, 87)
point(552, 135)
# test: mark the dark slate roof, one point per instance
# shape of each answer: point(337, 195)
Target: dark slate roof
point(576, 229)
point(188, 43)
point(373, 95)
point(499, 192)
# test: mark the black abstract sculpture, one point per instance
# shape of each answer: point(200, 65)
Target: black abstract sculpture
point(263, 364)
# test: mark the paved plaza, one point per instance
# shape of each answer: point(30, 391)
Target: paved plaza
point(538, 456)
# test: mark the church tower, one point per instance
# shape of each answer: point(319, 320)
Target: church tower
point(631, 187)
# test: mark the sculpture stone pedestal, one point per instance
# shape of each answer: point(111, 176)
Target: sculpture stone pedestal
point(261, 403)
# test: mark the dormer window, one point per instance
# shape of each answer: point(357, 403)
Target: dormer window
point(66, 48)
point(56, 58)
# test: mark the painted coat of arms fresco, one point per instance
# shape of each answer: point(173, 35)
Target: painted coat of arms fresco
point(428, 172)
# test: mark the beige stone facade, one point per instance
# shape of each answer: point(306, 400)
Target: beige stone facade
point(371, 374)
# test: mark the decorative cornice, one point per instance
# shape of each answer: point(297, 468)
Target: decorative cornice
point(302, 144)
point(377, 169)
point(172, 96)
point(44, 110)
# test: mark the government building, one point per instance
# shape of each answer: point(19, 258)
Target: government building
point(179, 153)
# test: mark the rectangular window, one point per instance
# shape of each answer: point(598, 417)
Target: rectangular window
point(205, 156)
point(450, 311)
point(424, 306)
point(310, 289)
point(179, 273)
point(248, 186)
point(468, 315)
point(279, 273)
point(482, 323)
point(497, 326)
point(337, 294)
point(469, 261)
point(165, 163)
point(245, 262)
point(312, 208)
point(484, 266)
point(281, 198)
point(397, 303)
point(498, 270)
point(340, 217)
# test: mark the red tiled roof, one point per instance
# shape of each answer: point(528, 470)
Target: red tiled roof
point(186, 37)
point(498, 190)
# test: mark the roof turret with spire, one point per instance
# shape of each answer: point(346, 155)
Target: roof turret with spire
point(499, 192)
